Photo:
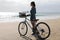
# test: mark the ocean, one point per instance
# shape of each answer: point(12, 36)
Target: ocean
point(14, 16)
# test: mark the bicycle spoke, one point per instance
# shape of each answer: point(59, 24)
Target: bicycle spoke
point(22, 29)
point(44, 30)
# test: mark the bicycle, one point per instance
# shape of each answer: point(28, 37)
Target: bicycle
point(42, 27)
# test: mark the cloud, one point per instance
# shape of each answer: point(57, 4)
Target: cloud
point(49, 6)
point(11, 6)
point(42, 5)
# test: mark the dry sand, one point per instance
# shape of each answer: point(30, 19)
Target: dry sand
point(9, 30)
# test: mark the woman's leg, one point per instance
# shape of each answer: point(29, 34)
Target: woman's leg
point(34, 28)
point(33, 24)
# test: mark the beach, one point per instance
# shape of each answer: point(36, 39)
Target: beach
point(9, 30)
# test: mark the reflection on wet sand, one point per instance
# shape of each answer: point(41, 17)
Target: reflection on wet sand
point(28, 38)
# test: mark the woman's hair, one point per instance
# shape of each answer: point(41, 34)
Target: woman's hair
point(33, 3)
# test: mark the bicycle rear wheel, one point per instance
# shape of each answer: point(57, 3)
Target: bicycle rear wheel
point(43, 29)
point(22, 28)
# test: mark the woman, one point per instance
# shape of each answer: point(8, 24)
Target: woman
point(33, 16)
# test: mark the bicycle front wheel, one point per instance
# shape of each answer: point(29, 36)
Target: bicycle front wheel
point(43, 29)
point(22, 28)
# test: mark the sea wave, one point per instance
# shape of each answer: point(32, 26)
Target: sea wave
point(12, 16)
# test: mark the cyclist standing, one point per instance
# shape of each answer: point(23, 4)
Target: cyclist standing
point(33, 16)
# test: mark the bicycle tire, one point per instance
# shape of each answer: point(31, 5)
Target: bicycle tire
point(47, 27)
point(20, 30)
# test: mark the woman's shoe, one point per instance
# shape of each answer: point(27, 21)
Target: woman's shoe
point(34, 31)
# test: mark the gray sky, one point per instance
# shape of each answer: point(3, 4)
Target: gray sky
point(24, 5)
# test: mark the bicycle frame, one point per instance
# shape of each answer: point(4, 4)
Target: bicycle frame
point(27, 22)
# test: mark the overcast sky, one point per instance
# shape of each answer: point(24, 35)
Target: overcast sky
point(24, 5)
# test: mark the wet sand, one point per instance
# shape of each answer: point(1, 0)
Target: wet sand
point(9, 30)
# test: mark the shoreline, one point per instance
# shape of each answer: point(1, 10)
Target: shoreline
point(20, 19)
